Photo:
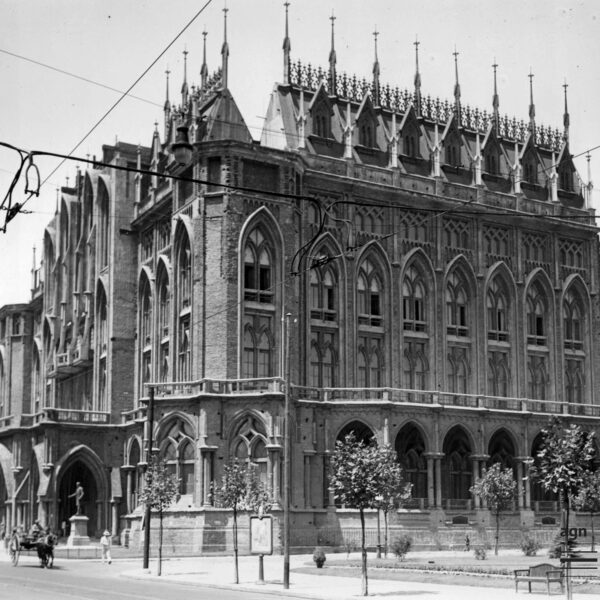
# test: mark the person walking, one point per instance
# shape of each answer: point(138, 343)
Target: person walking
point(105, 545)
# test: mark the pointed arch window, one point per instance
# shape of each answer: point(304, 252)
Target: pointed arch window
point(258, 268)
point(103, 229)
point(323, 360)
point(566, 179)
point(370, 363)
point(366, 133)
point(323, 300)
point(498, 374)
point(413, 301)
point(497, 312)
point(145, 333)
point(370, 295)
point(164, 318)
point(530, 170)
point(415, 365)
point(102, 349)
point(177, 450)
point(537, 334)
point(456, 306)
point(250, 446)
point(537, 377)
point(453, 151)
point(36, 383)
point(409, 143)
point(258, 342)
point(572, 322)
point(322, 121)
point(458, 370)
point(184, 300)
point(574, 380)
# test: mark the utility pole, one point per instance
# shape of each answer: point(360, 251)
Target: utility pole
point(150, 441)
point(286, 460)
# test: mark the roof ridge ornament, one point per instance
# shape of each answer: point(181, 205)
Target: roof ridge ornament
point(224, 50)
point(496, 101)
point(457, 107)
point(531, 104)
point(204, 68)
point(376, 72)
point(332, 59)
point(566, 118)
point(417, 79)
point(287, 47)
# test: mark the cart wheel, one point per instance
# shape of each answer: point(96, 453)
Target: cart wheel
point(14, 549)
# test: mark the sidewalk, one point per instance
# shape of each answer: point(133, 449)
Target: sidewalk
point(218, 572)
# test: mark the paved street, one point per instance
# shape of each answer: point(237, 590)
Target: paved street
point(91, 580)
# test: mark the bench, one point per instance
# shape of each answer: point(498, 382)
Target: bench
point(545, 573)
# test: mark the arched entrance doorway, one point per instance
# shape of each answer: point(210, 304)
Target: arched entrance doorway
point(543, 500)
point(78, 471)
point(362, 432)
point(457, 471)
point(410, 447)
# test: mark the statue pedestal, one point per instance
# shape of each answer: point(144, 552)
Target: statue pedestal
point(78, 535)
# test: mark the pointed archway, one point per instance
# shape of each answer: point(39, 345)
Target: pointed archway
point(79, 471)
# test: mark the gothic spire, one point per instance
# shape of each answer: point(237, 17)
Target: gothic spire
point(531, 104)
point(566, 119)
point(167, 106)
point(287, 46)
point(332, 60)
point(204, 68)
point(417, 80)
point(496, 101)
point(376, 72)
point(224, 50)
point(184, 87)
point(457, 107)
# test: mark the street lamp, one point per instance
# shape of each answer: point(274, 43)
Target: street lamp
point(147, 514)
point(286, 460)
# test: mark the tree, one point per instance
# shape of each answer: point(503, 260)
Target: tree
point(395, 490)
point(497, 488)
point(588, 499)
point(240, 489)
point(361, 474)
point(160, 490)
point(564, 463)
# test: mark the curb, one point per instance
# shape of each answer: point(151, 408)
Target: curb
point(258, 588)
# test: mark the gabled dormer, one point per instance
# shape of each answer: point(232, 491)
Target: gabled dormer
point(453, 144)
point(366, 124)
point(566, 170)
point(320, 111)
point(410, 132)
point(531, 164)
point(492, 154)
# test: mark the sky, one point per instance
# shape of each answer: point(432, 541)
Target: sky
point(112, 43)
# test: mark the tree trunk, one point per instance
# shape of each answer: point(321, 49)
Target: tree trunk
point(569, 593)
point(385, 533)
point(497, 532)
point(365, 583)
point(235, 545)
point(593, 534)
point(160, 540)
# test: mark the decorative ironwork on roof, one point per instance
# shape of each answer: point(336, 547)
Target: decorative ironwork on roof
point(432, 109)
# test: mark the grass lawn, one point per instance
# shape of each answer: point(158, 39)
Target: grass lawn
point(434, 567)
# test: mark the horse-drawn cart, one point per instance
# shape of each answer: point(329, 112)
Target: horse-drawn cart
point(42, 542)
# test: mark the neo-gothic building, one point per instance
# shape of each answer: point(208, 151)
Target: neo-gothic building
point(434, 268)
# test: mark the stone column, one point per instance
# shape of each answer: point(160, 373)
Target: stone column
point(276, 478)
point(115, 518)
point(430, 482)
point(128, 487)
point(307, 480)
point(520, 486)
point(206, 453)
point(438, 481)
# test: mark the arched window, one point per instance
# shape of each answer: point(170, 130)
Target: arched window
point(362, 433)
point(103, 225)
point(102, 350)
point(250, 446)
point(410, 448)
point(3, 406)
point(258, 348)
point(164, 318)
point(497, 311)
point(258, 268)
point(322, 122)
point(145, 333)
point(456, 306)
point(135, 475)
point(501, 450)
point(370, 309)
point(323, 360)
point(542, 498)
point(530, 169)
point(537, 309)
point(572, 322)
point(416, 365)
point(453, 151)
point(458, 370)
point(492, 162)
point(410, 144)
point(177, 450)
point(413, 301)
point(574, 380)
point(457, 466)
point(566, 179)
point(498, 374)
point(323, 294)
point(366, 135)
point(184, 301)
point(36, 383)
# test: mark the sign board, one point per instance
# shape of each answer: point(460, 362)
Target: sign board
point(261, 535)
